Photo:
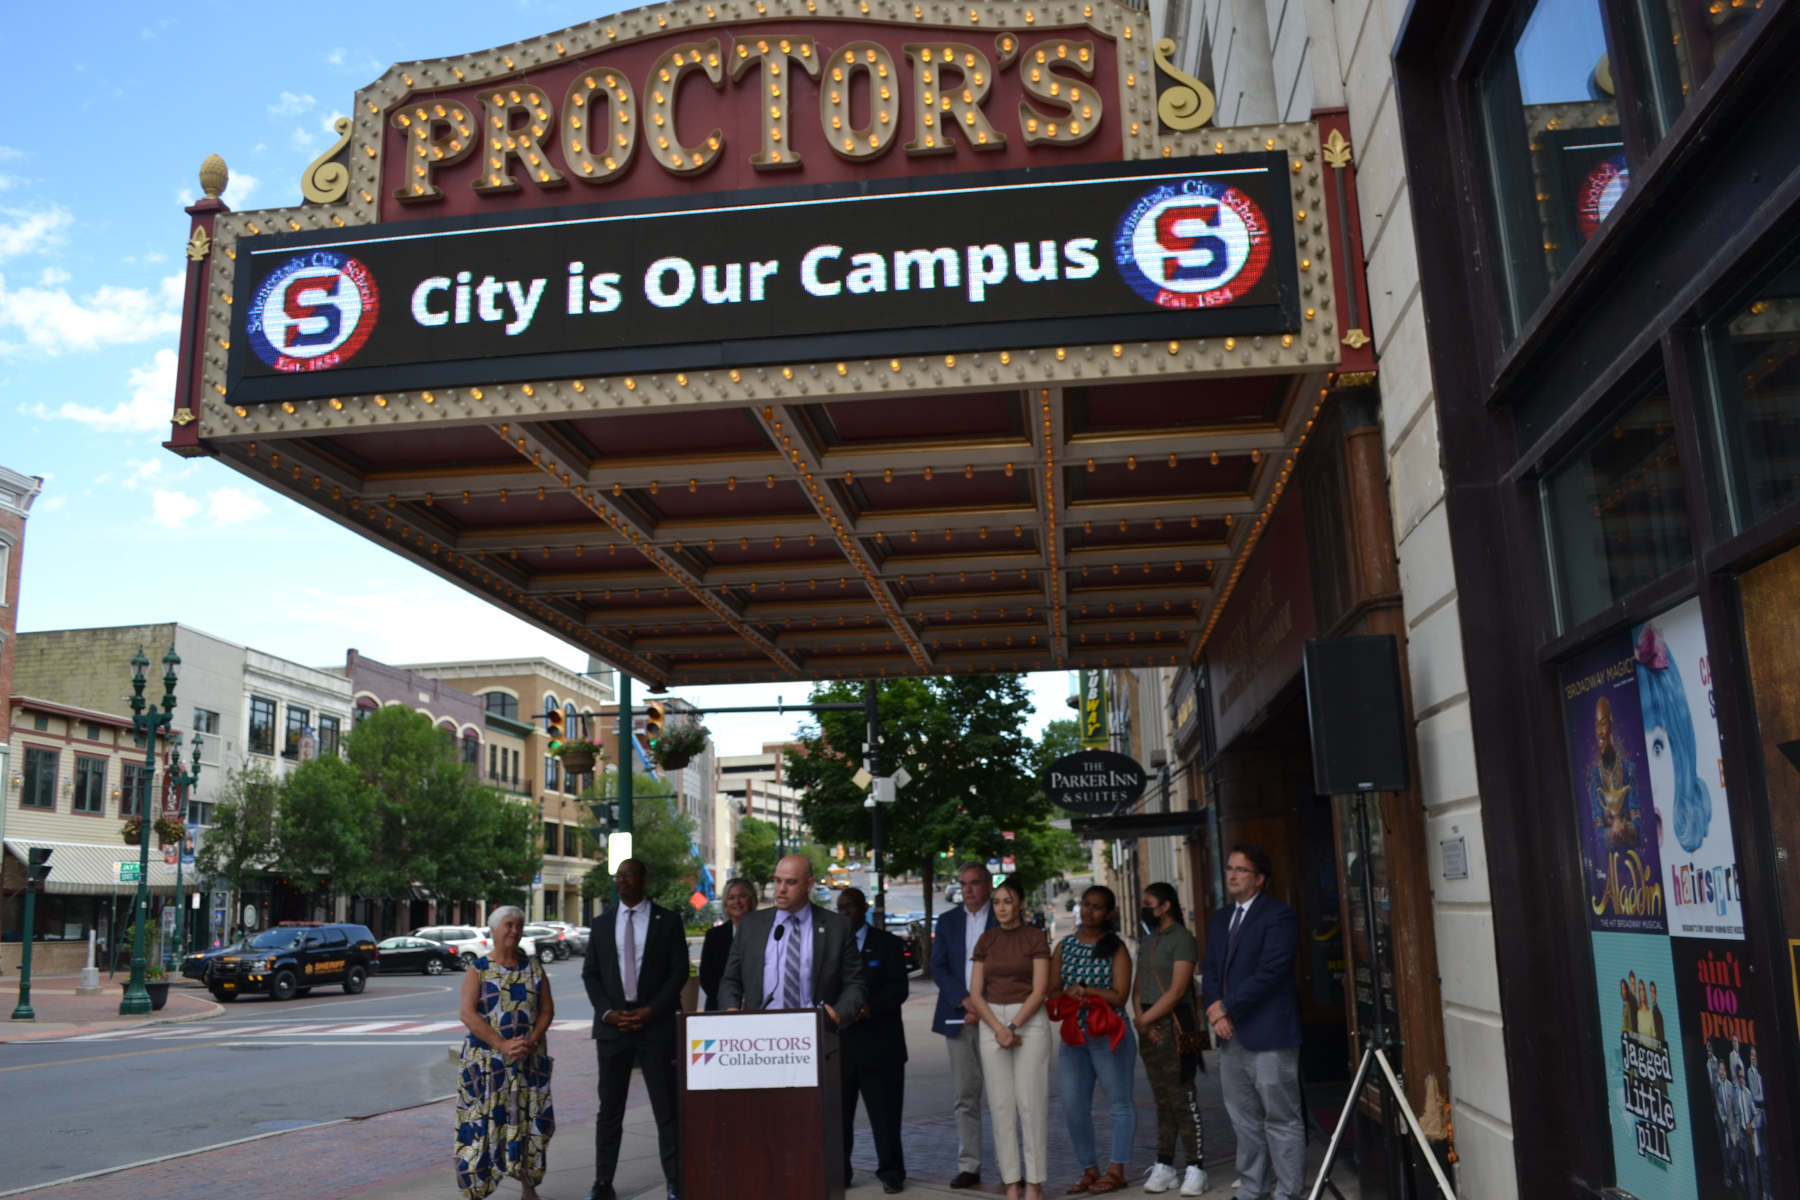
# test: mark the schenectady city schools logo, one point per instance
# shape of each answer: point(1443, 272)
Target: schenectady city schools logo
point(313, 312)
point(1196, 243)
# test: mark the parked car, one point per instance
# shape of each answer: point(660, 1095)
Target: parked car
point(549, 938)
point(193, 966)
point(912, 941)
point(953, 893)
point(574, 936)
point(405, 955)
point(469, 943)
point(292, 959)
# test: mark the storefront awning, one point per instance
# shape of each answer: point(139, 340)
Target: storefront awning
point(82, 869)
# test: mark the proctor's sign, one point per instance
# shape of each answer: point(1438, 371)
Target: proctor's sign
point(731, 1051)
point(1095, 782)
point(1107, 252)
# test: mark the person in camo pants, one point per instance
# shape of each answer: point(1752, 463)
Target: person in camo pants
point(1165, 1005)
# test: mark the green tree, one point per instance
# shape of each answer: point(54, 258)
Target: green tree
point(240, 845)
point(962, 740)
point(401, 810)
point(756, 850)
point(662, 838)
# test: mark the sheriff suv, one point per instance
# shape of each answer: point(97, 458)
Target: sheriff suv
point(292, 959)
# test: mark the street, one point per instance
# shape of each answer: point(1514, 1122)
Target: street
point(261, 1067)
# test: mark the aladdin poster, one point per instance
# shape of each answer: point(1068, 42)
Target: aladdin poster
point(1685, 776)
point(1646, 1077)
point(1725, 1033)
point(1614, 813)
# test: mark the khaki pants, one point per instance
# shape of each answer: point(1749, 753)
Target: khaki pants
point(1018, 1095)
point(965, 1074)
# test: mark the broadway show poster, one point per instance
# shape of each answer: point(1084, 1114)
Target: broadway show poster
point(1772, 642)
point(1646, 1079)
point(1613, 811)
point(1686, 776)
point(1724, 1033)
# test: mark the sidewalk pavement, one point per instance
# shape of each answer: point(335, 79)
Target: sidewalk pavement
point(61, 1013)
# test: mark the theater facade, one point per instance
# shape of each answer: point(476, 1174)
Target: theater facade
point(850, 339)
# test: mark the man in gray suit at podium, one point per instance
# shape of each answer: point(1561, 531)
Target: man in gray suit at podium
point(794, 955)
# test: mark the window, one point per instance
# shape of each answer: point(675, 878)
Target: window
point(1756, 356)
point(331, 736)
point(515, 768)
point(335, 937)
point(93, 733)
point(365, 708)
point(206, 721)
point(41, 723)
point(1616, 511)
point(493, 762)
point(551, 840)
point(296, 725)
point(1686, 42)
point(471, 751)
point(502, 705)
point(1553, 135)
point(39, 787)
point(199, 813)
point(262, 725)
point(90, 785)
point(552, 774)
point(5, 565)
point(132, 780)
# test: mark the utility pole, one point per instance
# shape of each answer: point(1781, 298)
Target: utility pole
point(873, 715)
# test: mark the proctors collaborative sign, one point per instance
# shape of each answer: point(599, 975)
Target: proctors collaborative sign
point(1097, 253)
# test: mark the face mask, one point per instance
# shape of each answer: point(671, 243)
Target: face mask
point(1148, 916)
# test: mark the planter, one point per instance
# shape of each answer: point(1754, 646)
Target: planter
point(133, 834)
point(158, 989)
point(675, 762)
point(578, 762)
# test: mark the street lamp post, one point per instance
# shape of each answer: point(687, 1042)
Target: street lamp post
point(183, 780)
point(149, 720)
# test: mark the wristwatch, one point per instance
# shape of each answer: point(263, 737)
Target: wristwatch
point(1012, 1027)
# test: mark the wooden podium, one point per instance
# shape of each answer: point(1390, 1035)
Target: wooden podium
point(738, 1141)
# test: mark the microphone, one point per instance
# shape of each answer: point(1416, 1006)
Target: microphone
point(779, 931)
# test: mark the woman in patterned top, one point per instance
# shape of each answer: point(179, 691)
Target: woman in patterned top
point(503, 1115)
point(1093, 961)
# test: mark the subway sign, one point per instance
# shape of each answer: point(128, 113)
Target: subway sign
point(1036, 257)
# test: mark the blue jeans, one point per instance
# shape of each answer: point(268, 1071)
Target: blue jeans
point(1081, 1066)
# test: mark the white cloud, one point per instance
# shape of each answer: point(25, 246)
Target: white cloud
point(301, 140)
point(233, 506)
point(237, 191)
point(22, 231)
point(7, 154)
point(53, 321)
point(328, 123)
point(48, 504)
point(142, 473)
point(53, 276)
point(152, 401)
point(173, 509)
point(291, 105)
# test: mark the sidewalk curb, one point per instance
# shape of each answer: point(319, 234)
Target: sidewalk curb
point(217, 1010)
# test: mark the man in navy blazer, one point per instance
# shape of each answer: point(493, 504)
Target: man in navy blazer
point(874, 1045)
point(636, 966)
point(1251, 1002)
point(951, 962)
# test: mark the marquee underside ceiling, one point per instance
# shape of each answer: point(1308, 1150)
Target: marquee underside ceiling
point(1020, 529)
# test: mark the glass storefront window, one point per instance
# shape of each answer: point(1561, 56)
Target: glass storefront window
point(1686, 40)
point(1553, 134)
point(1757, 364)
point(1616, 511)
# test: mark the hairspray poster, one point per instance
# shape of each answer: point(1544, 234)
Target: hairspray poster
point(1686, 776)
point(1646, 1075)
point(1613, 811)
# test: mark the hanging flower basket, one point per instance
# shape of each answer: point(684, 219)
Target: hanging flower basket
point(579, 757)
point(169, 832)
point(680, 744)
point(132, 831)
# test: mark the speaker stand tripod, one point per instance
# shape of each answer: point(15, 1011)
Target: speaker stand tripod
point(1379, 1039)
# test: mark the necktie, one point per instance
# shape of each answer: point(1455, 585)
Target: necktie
point(1237, 921)
point(628, 966)
point(792, 995)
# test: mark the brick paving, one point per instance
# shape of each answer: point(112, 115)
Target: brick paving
point(61, 1013)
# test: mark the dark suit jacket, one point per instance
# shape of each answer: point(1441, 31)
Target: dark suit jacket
point(837, 970)
point(949, 949)
point(879, 1041)
point(660, 979)
point(1257, 983)
point(714, 951)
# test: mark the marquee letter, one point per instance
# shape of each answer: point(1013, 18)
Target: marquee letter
point(926, 261)
point(524, 144)
point(868, 273)
point(599, 126)
point(872, 60)
point(731, 293)
point(809, 271)
point(987, 266)
point(684, 282)
point(1082, 263)
point(934, 97)
point(421, 294)
point(659, 107)
point(777, 153)
point(1079, 104)
point(436, 136)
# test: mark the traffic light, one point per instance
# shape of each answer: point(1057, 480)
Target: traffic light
point(37, 868)
point(606, 815)
point(553, 725)
point(653, 722)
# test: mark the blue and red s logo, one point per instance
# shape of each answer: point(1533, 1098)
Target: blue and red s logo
point(1193, 244)
point(313, 312)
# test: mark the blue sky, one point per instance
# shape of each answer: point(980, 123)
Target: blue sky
point(128, 99)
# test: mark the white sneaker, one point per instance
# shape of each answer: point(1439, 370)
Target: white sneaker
point(1162, 1178)
point(1195, 1183)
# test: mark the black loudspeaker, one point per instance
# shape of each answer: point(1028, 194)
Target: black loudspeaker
point(1358, 715)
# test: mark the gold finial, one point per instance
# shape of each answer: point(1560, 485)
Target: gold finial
point(213, 176)
point(1337, 150)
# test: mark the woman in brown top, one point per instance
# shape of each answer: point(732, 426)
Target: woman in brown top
point(1006, 991)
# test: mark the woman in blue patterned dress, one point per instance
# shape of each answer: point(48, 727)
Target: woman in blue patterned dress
point(503, 1114)
point(1091, 966)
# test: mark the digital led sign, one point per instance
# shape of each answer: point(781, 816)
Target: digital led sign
point(1082, 254)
